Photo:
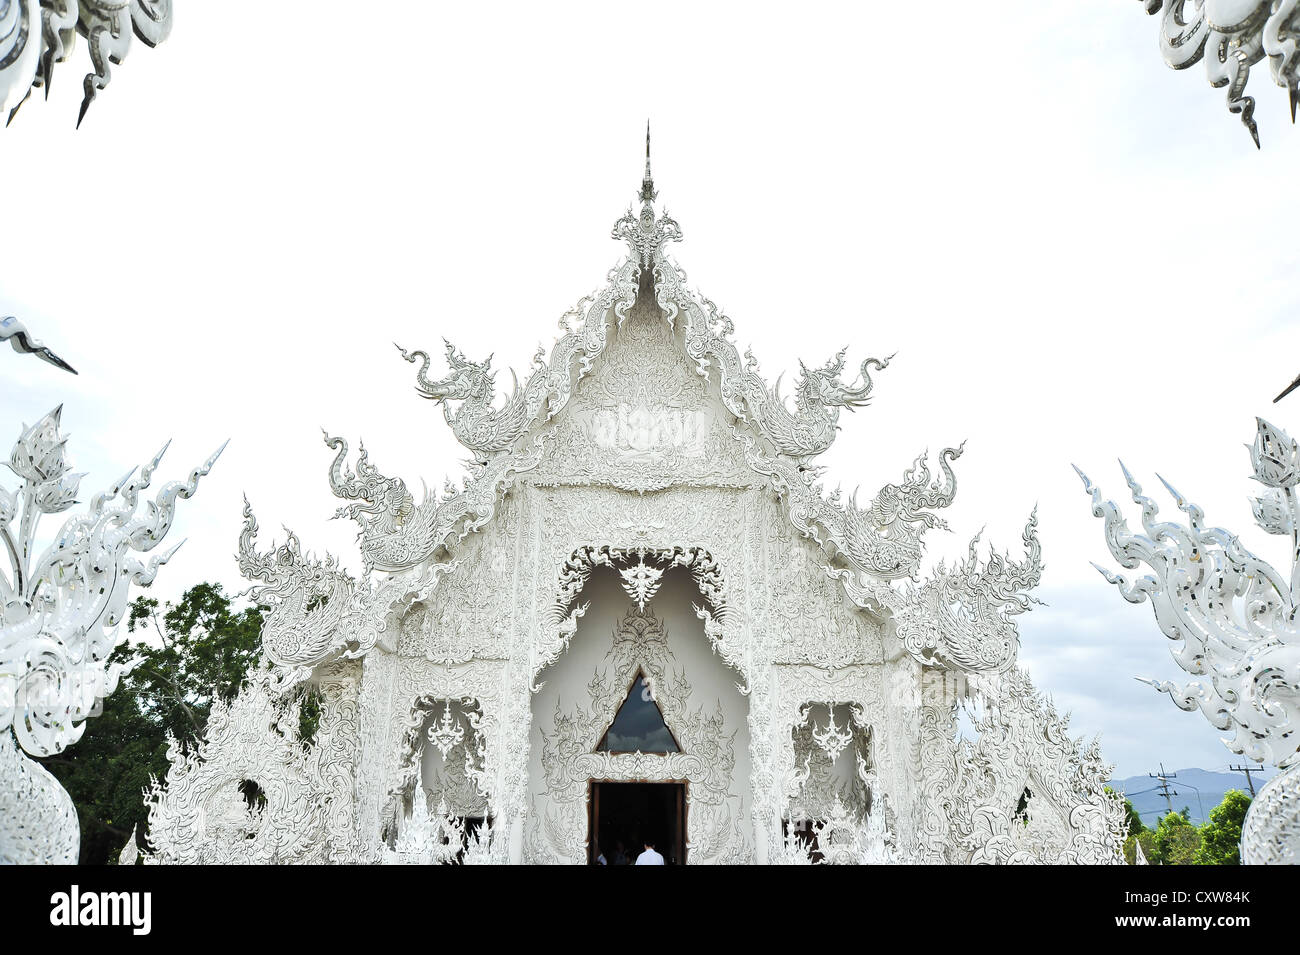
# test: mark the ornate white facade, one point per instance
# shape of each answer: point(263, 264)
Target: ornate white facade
point(642, 511)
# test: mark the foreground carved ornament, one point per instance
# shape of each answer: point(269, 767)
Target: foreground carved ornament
point(1231, 617)
point(62, 606)
point(644, 445)
point(1022, 749)
point(1232, 36)
point(16, 334)
point(37, 34)
point(311, 601)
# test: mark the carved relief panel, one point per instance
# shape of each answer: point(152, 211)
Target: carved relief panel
point(643, 419)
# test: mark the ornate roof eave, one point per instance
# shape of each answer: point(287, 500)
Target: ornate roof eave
point(779, 444)
point(868, 548)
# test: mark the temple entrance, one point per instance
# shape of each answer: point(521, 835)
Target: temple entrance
point(623, 816)
point(634, 691)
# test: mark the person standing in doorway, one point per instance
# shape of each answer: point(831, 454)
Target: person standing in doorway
point(649, 857)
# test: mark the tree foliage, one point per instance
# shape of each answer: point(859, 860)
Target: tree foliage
point(1147, 837)
point(1221, 836)
point(183, 656)
point(1176, 840)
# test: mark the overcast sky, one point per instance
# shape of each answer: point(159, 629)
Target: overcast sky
point(1076, 253)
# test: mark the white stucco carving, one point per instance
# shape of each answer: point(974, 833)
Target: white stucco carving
point(1232, 36)
point(1231, 620)
point(36, 35)
point(644, 502)
point(63, 598)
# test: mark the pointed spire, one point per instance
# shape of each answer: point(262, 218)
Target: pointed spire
point(646, 232)
point(648, 193)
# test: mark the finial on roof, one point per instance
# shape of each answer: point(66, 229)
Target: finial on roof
point(648, 193)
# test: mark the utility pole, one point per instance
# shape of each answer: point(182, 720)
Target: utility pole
point(1247, 770)
point(1164, 785)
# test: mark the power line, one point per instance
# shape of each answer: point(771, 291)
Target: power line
point(1163, 786)
point(1249, 769)
point(1140, 792)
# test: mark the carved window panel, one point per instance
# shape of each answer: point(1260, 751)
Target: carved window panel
point(451, 765)
point(834, 762)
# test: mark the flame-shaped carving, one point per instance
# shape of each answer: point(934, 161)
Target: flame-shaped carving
point(1231, 620)
point(312, 601)
point(960, 617)
point(62, 605)
point(883, 539)
point(1228, 614)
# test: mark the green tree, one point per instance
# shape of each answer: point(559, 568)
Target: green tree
point(184, 655)
point(1221, 836)
point(1176, 840)
point(1147, 838)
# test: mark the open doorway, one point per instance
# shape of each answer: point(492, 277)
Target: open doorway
point(624, 816)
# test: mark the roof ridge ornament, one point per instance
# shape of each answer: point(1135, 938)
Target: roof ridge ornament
point(647, 234)
point(648, 193)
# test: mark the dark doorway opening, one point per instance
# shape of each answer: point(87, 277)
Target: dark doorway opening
point(624, 816)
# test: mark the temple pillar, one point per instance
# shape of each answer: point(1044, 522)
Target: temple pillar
point(517, 840)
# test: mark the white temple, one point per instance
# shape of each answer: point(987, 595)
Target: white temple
point(640, 619)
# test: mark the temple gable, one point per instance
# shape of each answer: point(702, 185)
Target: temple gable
point(643, 419)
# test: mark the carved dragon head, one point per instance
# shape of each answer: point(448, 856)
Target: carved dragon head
point(465, 381)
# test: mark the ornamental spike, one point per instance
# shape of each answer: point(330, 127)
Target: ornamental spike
point(1129, 479)
point(1296, 383)
point(215, 454)
point(1173, 492)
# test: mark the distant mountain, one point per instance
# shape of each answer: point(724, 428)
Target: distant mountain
point(1145, 794)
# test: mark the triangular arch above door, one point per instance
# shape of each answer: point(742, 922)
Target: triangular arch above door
point(639, 724)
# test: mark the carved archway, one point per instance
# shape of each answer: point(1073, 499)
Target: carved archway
point(641, 570)
point(572, 717)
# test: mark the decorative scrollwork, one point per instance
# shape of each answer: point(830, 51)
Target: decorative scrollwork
point(960, 618)
point(251, 792)
point(971, 788)
point(448, 732)
point(1236, 35)
point(1228, 613)
point(1231, 620)
point(475, 424)
point(36, 34)
point(883, 539)
point(397, 534)
point(312, 601)
point(63, 603)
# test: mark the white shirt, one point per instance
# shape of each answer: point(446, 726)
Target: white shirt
point(649, 857)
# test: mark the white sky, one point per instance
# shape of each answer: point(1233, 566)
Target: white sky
point(1076, 252)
